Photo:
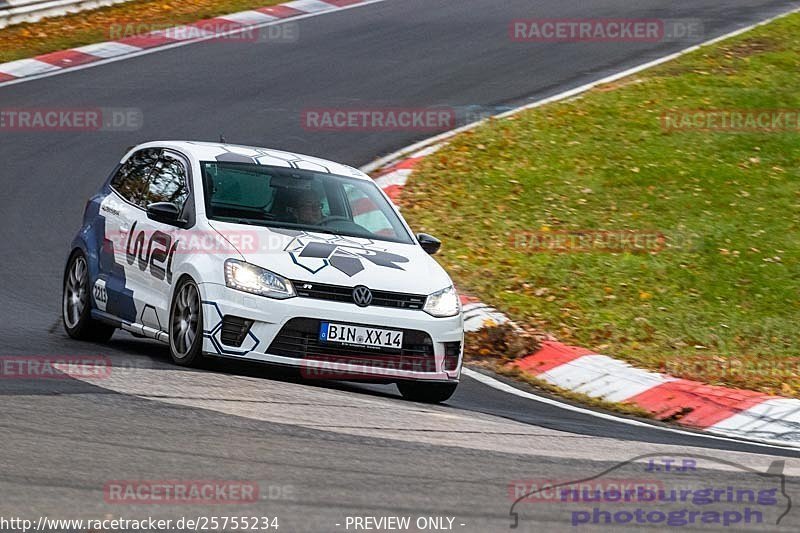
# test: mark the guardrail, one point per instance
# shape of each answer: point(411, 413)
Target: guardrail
point(16, 11)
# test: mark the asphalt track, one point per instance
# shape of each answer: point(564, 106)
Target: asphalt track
point(322, 451)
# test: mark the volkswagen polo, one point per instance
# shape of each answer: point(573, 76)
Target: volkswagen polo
point(257, 254)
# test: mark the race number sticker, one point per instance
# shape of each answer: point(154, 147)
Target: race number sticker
point(99, 293)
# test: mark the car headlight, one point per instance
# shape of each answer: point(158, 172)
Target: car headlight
point(256, 280)
point(443, 303)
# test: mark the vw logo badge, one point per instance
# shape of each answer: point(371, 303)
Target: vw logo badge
point(362, 296)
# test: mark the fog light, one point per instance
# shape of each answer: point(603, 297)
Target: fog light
point(452, 351)
point(234, 330)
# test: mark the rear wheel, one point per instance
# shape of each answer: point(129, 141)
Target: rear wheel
point(416, 391)
point(186, 325)
point(76, 307)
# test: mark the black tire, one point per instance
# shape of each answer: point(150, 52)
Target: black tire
point(186, 325)
point(416, 391)
point(76, 303)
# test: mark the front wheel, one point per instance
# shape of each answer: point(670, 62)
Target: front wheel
point(186, 325)
point(76, 307)
point(416, 391)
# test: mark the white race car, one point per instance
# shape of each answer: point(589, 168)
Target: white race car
point(264, 255)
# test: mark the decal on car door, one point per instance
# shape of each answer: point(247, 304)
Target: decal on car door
point(153, 254)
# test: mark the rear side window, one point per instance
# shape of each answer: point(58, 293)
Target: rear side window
point(168, 182)
point(131, 179)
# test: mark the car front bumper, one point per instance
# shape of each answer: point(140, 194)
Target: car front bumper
point(270, 318)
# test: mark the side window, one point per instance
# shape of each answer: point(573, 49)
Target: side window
point(131, 179)
point(168, 182)
point(366, 212)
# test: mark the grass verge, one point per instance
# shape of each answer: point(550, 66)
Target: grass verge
point(718, 298)
point(59, 33)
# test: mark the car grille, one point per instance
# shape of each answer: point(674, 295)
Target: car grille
point(337, 293)
point(299, 339)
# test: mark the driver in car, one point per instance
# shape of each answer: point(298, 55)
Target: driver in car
point(308, 207)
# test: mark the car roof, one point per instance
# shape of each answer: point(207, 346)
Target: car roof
point(223, 152)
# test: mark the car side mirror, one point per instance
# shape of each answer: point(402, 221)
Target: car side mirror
point(429, 243)
point(165, 212)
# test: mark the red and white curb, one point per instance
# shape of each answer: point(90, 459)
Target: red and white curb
point(714, 409)
point(197, 31)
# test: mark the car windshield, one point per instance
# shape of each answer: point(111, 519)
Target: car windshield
point(247, 193)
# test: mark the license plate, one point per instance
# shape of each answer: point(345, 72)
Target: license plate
point(360, 336)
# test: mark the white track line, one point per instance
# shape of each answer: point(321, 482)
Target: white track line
point(503, 387)
point(216, 35)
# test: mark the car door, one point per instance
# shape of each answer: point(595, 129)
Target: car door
point(159, 241)
point(120, 281)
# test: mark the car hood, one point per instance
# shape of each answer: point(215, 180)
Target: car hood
point(337, 260)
